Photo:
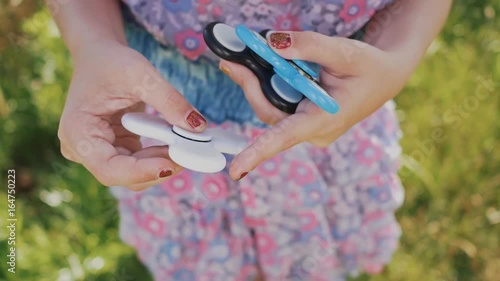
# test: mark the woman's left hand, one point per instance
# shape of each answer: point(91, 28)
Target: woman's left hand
point(360, 77)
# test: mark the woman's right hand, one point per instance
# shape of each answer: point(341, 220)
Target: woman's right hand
point(109, 80)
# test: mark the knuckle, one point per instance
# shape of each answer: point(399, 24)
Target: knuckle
point(275, 117)
point(250, 155)
point(290, 142)
point(264, 117)
point(312, 42)
point(310, 36)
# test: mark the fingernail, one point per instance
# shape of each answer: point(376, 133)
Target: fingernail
point(243, 175)
point(280, 40)
point(165, 173)
point(226, 70)
point(195, 120)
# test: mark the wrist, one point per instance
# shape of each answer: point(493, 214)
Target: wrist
point(92, 46)
point(83, 23)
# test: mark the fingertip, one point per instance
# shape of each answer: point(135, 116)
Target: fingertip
point(233, 170)
point(237, 169)
point(297, 45)
point(237, 72)
point(165, 173)
point(244, 162)
point(196, 121)
point(280, 40)
point(225, 68)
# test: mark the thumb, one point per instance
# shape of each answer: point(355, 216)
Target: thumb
point(335, 53)
point(157, 92)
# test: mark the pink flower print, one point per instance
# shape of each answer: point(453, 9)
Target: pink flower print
point(348, 247)
point(245, 272)
point(270, 167)
point(380, 194)
point(172, 251)
point(262, 9)
point(278, 1)
point(301, 173)
point(373, 216)
point(214, 187)
point(352, 10)
point(308, 221)
point(217, 11)
point(294, 199)
point(373, 268)
point(153, 225)
point(254, 222)
point(248, 197)
point(368, 154)
point(265, 243)
point(201, 10)
point(248, 10)
point(191, 252)
point(219, 251)
point(179, 184)
point(287, 22)
point(254, 2)
point(191, 43)
point(207, 276)
point(314, 194)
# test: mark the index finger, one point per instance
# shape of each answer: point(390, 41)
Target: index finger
point(157, 92)
point(337, 53)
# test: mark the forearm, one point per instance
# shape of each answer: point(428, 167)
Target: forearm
point(82, 22)
point(407, 27)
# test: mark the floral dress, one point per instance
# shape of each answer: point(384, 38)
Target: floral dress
point(306, 214)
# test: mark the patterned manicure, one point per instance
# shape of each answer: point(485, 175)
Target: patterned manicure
point(195, 120)
point(280, 40)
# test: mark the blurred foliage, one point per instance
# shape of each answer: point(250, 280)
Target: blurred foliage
point(67, 222)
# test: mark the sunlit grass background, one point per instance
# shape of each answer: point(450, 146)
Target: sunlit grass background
point(449, 112)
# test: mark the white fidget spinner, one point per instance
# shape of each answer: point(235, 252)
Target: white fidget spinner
point(201, 152)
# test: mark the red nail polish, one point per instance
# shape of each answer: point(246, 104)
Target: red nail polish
point(280, 40)
point(195, 120)
point(165, 173)
point(243, 175)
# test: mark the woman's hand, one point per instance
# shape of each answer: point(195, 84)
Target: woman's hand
point(109, 80)
point(360, 77)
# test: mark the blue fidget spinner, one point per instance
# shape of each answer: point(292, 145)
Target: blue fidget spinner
point(283, 82)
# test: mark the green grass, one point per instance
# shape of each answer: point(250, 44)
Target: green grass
point(449, 112)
